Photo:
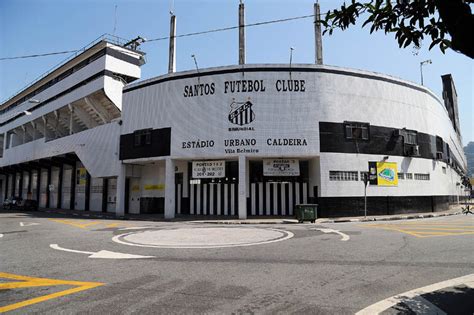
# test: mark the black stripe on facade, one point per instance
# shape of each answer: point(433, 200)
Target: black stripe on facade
point(282, 69)
point(160, 145)
point(222, 199)
point(271, 205)
point(382, 141)
point(280, 187)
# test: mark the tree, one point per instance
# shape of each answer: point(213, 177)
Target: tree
point(412, 21)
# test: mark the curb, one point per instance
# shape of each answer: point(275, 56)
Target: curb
point(240, 222)
point(404, 217)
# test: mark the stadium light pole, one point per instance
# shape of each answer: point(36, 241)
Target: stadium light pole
point(421, 68)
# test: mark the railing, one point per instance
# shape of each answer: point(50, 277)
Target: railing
point(104, 37)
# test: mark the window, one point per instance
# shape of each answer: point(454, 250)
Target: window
point(409, 176)
point(422, 176)
point(439, 144)
point(401, 175)
point(343, 175)
point(356, 131)
point(362, 175)
point(142, 137)
point(410, 137)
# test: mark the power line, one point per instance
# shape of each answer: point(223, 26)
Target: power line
point(177, 36)
point(233, 27)
point(39, 55)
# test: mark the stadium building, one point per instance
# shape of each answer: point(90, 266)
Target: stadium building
point(243, 140)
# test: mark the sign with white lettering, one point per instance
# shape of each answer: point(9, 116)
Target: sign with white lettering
point(281, 167)
point(208, 169)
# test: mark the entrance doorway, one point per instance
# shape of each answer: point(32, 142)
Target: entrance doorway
point(276, 195)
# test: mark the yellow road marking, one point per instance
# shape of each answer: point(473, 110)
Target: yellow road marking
point(29, 282)
point(85, 223)
point(421, 229)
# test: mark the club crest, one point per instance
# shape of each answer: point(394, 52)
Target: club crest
point(241, 113)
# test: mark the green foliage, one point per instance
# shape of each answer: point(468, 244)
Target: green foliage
point(410, 21)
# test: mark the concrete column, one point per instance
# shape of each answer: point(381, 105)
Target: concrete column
point(120, 203)
point(169, 189)
point(243, 168)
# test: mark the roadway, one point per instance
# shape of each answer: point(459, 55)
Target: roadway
point(53, 263)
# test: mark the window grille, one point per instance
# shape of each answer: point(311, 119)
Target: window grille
point(343, 175)
point(409, 176)
point(401, 175)
point(422, 176)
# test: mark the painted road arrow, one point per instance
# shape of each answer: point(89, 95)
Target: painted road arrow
point(344, 238)
point(28, 224)
point(104, 254)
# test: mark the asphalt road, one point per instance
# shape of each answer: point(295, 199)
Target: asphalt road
point(198, 268)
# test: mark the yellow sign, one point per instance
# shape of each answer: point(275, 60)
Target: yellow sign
point(82, 175)
point(387, 174)
point(30, 282)
point(155, 187)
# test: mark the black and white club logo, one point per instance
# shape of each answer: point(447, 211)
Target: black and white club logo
point(241, 113)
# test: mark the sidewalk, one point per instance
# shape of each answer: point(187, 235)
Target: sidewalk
point(454, 210)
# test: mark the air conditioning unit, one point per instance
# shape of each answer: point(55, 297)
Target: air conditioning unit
point(439, 155)
point(415, 150)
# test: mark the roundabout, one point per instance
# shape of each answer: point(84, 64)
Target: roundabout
point(206, 237)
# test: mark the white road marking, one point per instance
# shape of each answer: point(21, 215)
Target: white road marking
point(403, 297)
point(135, 228)
point(344, 238)
point(56, 246)
point(186, 245)
point(28, 224)
point(104, 254)
point(1, 235)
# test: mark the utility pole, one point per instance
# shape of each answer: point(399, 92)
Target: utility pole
point(317, 35)
point(241, 33)
point(172, 46)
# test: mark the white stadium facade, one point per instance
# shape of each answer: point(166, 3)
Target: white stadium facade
point(238, 141)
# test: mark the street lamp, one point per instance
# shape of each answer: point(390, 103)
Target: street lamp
point(195, 62)
point(291, 54)
point(421, 68)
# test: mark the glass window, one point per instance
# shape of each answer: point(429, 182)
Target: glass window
point(142, 137)
point(356, 130)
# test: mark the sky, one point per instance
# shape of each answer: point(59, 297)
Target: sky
point(43, 26)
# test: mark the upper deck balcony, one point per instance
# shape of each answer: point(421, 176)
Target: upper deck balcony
point(85, 91)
